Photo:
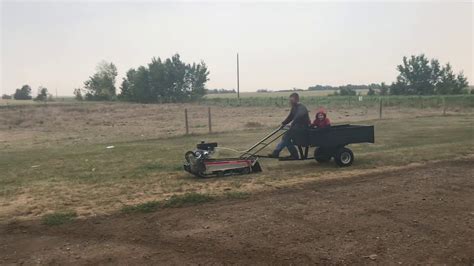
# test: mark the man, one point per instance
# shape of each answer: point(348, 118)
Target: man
point(299, 119)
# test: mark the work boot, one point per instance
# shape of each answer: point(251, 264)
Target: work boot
point(288, 158)
point(274, 154)
point(294, 155)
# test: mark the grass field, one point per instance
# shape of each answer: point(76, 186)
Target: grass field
point(55, 158)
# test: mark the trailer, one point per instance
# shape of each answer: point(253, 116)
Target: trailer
point(328, 143)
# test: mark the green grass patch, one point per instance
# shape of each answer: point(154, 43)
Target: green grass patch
point(157, 167)
point(58, 218)
point(237, 195)
point(173, 202)
point(143, 207)
point(153, 166)
point(187, 199)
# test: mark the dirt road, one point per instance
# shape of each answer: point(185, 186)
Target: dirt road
point(417, 215)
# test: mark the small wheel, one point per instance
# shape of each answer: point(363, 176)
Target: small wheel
point(245, 170)
point(190, 157)
point(195, 165)
point(344, 157)
point(322, 155)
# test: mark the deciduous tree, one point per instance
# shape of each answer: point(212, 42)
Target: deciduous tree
point(169, 80)
point(101, 85)
point(420, 76)
point(23, 94)
point(42, 95)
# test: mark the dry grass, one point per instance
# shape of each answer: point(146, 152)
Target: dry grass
point(110, 122)
point(63, 164)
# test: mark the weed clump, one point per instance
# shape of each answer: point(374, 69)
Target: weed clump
point(58, 218)
point(237, 195)
point(143, 207)
point(173, 202)
point(187, 199)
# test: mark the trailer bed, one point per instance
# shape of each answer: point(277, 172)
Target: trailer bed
point(334, 136)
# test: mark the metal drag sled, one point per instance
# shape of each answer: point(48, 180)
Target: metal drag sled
point(200, 163)
point(329, 142)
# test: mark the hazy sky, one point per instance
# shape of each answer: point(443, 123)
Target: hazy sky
point(281, 45)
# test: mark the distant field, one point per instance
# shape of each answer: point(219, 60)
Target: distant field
point(277, 94)
point(66, 99)
point(338, 102)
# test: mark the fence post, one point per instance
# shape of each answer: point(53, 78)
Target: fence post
point(444, 106)
point(186, 120)
point(209, 119)
point(380, 108)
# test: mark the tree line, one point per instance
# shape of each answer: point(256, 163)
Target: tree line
point(220, 91)
point(417, 75)
point(172, 80)
point(160, 81)
point(24, 93)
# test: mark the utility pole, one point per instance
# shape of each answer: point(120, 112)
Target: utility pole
point(238, 88)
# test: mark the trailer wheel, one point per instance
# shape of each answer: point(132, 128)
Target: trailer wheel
point(344, 157)
point(322, 155)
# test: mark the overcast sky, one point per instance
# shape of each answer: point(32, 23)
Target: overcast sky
point(281, 45)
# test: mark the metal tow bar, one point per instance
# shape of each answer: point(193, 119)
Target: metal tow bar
point(260, 145)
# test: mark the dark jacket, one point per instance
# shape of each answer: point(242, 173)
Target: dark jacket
point(298, 117)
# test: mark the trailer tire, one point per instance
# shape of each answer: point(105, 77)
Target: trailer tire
point(322, 155)
point(344, 157)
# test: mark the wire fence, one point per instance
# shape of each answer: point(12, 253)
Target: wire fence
point(437, 101)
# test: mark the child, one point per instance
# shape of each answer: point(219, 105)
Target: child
point(321, 120)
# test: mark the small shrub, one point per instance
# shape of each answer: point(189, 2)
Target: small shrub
point(58, 218)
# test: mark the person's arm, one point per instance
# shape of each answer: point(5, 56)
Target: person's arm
point(289, 118)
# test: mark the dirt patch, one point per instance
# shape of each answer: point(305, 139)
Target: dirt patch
point(424, 215)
